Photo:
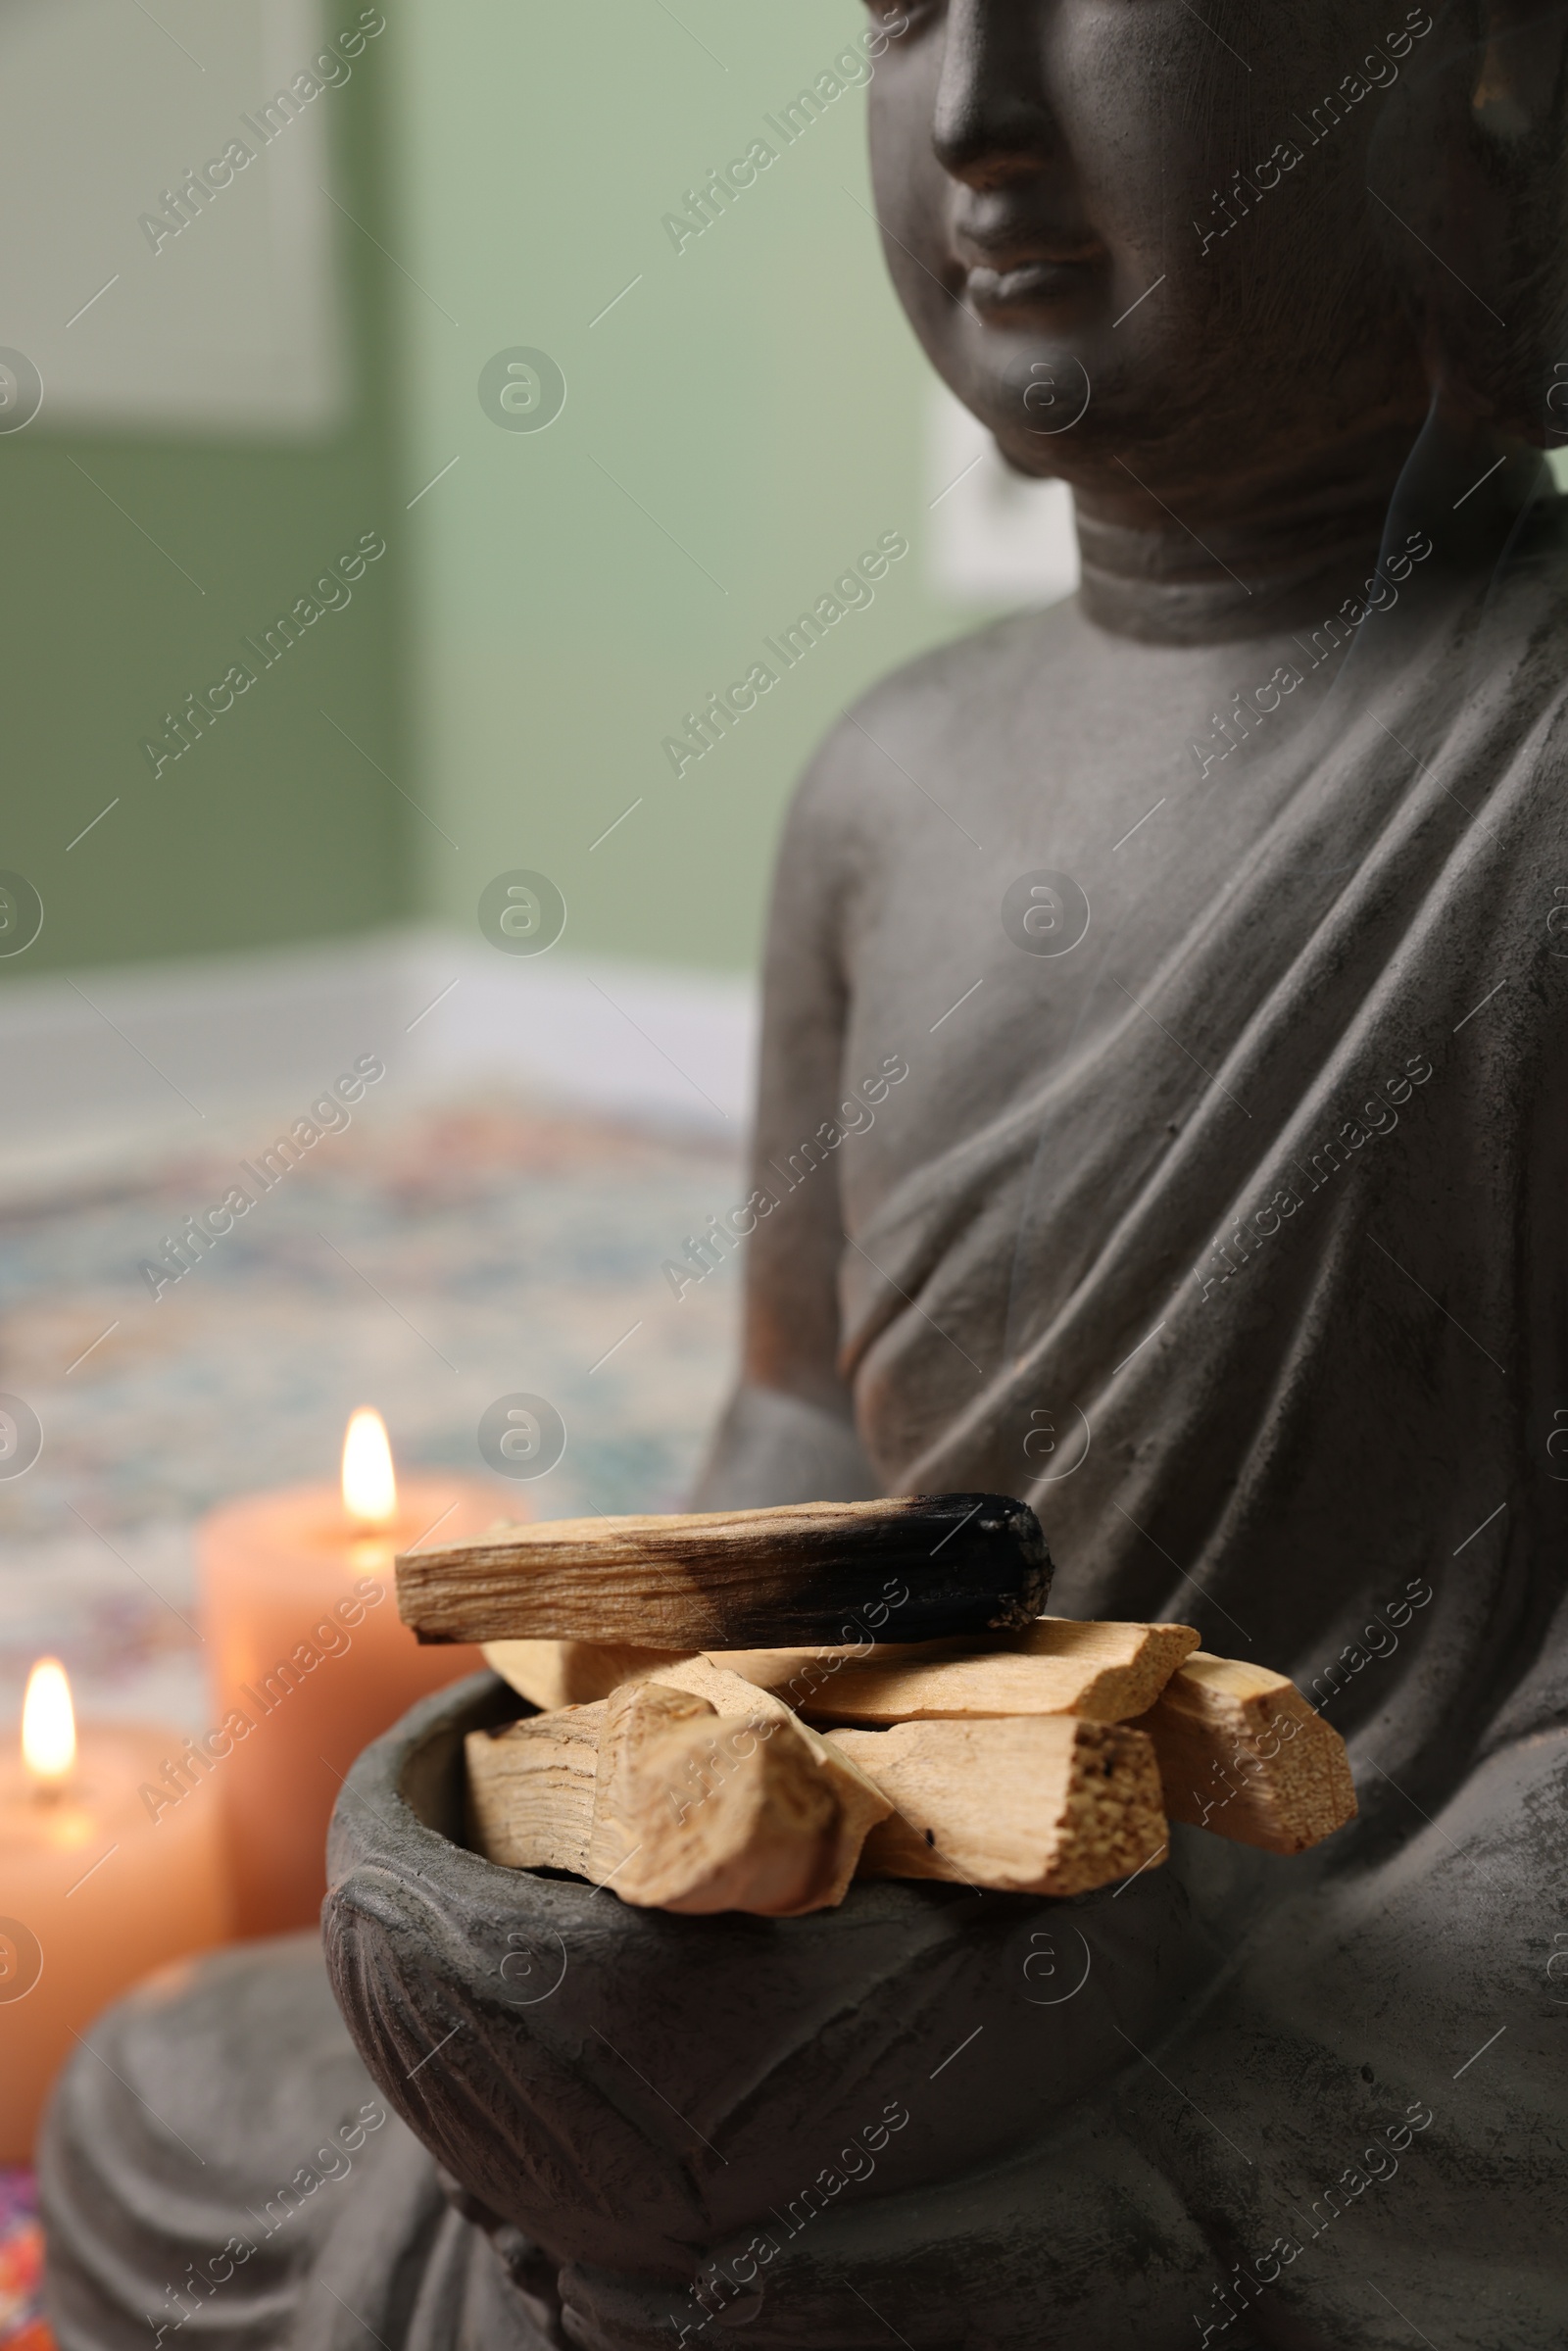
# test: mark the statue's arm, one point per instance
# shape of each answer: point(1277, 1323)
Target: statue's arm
point(787, 1433)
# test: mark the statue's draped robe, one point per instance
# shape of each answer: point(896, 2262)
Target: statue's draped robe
point(1256, 1287)
point(1275, 1256)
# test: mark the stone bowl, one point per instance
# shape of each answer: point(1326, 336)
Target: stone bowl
point(629, 2088)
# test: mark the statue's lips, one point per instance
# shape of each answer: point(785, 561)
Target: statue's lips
point(1026, 285)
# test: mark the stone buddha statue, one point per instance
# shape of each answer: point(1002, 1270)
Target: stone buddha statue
point(1156, 1122)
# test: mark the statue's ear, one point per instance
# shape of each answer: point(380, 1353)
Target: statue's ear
point(1470, 169)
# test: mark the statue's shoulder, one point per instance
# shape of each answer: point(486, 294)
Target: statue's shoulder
point(938, 714)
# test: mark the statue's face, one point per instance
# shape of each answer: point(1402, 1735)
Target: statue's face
point(1056, 182)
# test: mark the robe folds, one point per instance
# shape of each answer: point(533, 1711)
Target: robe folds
point(1259, 1287)
point(1242, 1258)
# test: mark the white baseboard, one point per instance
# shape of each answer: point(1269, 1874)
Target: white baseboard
point(109, 1067)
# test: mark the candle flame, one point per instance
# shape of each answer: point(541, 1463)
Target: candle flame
point(370, 1485)
point(48, 1724)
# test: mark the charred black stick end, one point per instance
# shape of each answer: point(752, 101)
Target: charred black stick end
point(986, 1525)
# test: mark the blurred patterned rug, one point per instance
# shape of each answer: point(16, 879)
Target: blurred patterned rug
point(21, 2322)
point(427, 1262)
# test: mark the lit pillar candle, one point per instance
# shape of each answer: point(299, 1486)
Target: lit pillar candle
point(95, 1890)
point(307, 1658)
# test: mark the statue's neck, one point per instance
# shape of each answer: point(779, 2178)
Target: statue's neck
point(1179, 566)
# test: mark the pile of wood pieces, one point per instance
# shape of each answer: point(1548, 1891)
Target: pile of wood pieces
point(746, 1710)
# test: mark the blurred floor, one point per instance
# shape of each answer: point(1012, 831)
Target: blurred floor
point(428, 1261)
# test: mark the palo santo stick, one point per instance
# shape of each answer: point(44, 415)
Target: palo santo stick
point(1241, 1752)
point(1104, 1672)
point(698, 1812)
point(574, 1673)
point(531, 1790)
point(912, 1567)
point(860, 1802)
point(1035, 1804)
point(672, 1803)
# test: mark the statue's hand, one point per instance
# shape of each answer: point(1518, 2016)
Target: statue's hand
point(1079, 2241)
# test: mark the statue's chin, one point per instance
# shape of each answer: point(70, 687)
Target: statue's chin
point(1058, 398)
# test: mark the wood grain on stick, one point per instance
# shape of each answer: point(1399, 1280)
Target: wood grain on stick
point(698, 1812)
point(676, 1801)
point(1104, 1672)
point(1242, 1753)
point(574, 1673)
point(861, 1803)
point(915, 1567)
point(531, 1790)
point(1033, 1804)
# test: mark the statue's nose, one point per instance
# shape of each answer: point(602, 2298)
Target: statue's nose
point(994, 120)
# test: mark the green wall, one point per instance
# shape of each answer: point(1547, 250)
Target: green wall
point(737, 429)
point(271, 828)
point(535, 630)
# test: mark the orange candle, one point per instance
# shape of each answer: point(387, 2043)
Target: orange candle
point(307, 1658)
point(95, 1890)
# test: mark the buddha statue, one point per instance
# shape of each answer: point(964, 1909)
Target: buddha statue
point(1156, 1123)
